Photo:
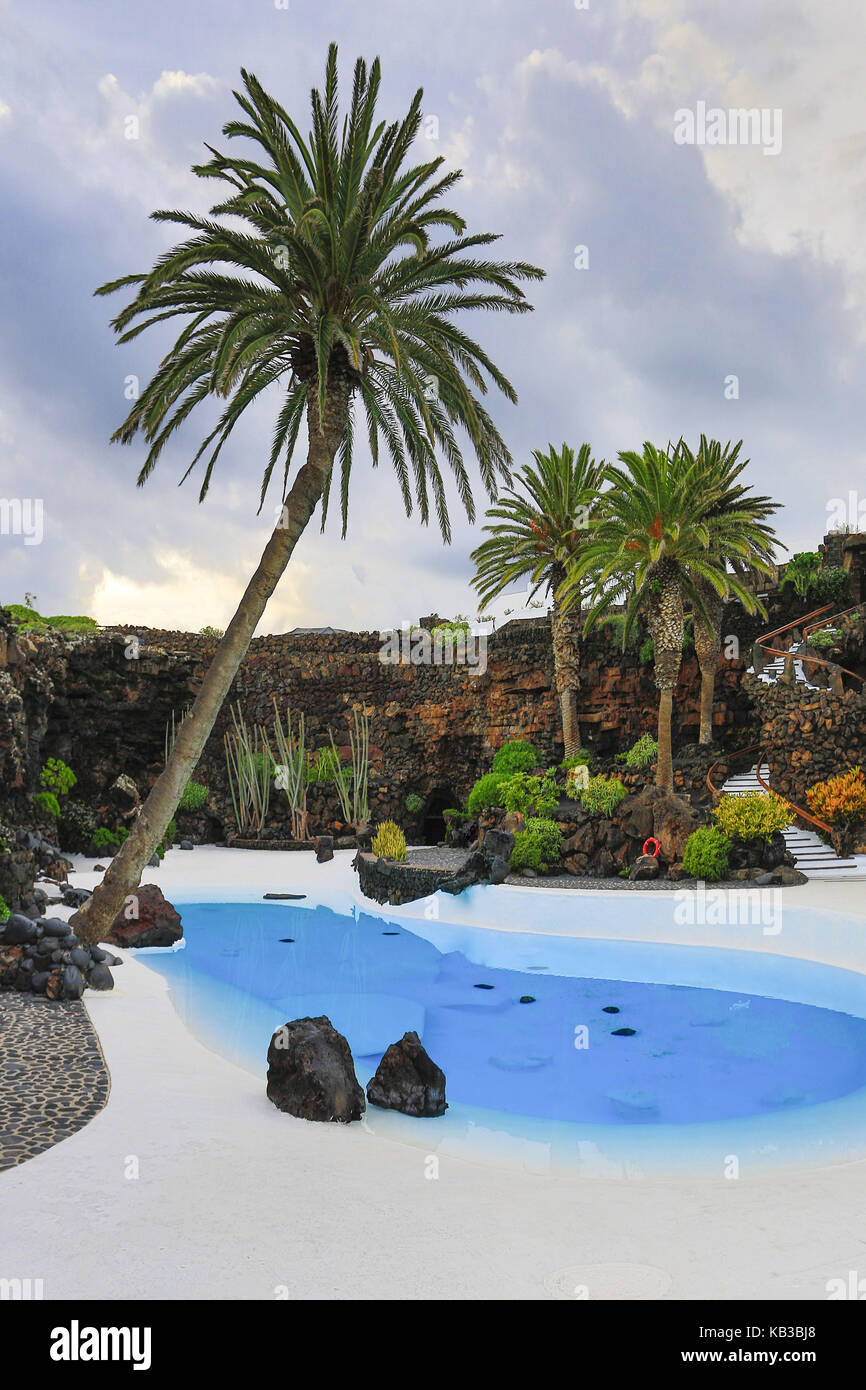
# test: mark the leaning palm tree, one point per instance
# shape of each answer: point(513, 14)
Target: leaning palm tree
point(746, 544)
point(651, 545)
point(535, 531)
point(317, 275)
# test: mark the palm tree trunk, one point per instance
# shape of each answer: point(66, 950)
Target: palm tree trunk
point(565, 631)
point(665, 614)
point(94, 919)
point(708, 644)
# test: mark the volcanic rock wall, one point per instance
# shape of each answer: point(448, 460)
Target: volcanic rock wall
point(102, 700)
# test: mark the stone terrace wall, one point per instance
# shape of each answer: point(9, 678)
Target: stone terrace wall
point(808, 734)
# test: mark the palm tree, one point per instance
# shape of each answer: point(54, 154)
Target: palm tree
point(536, 529)
point(742, 540)
point(334, 293)
point(650, 546)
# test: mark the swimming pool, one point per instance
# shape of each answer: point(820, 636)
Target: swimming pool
point(555, 1049)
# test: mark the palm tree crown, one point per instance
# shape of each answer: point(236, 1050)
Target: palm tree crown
point(318, 272)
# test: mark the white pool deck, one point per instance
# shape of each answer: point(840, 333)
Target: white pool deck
point(233, 1199)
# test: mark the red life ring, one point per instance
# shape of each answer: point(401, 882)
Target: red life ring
point(651, 841)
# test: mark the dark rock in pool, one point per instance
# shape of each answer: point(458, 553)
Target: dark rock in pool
point(281, 896)
point(610, 1009)
point(186, 844)
point(483, 986)
point(527, 998)
point(623, 1032)
point(155, 922)
point(311, 1073)
point(408, 1080)
point(324, 847)
point(74, 897)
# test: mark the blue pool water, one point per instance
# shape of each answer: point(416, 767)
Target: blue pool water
point(696, 1055)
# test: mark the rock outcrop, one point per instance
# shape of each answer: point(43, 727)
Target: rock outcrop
point(408, 1080)
point(146, 919)
point(311, 1073)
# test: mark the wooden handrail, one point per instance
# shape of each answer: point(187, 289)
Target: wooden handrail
point(777, 631)
point(825, 622)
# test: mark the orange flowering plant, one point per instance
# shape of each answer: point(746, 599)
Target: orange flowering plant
point(839, 800)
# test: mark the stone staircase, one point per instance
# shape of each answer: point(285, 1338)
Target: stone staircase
point(813, 857)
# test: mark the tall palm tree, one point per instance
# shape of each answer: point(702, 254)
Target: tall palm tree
point(334, 293)
point(536, 530)
point(650, 546)
point(743, 541)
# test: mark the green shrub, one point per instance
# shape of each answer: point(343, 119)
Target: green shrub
point(824, 639)
point(453, 813)
point(602, 794)
point(57, 777)
point(208, 631)
point(831, 584)
point(582, 758)
point(517, 756)
point(29, 620)
point(647, 652)
point(76, 623)
point(121, 834)
point(537, 847)
point(389, 842)
point(171, 832)
point(706, 854)
point(75, 827)
point(103, 838)
point(752, 815)
point(5, 914)
point(487, 791)
point(641, 753)
point(194, 797)
point(414, 802)
point(46, 804)
point(525, 792)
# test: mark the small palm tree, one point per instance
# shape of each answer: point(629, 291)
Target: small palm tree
point(651, 545)
point(335, 294)
point(742, 540)
point(536, 530)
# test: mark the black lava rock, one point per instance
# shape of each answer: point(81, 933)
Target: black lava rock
point(408, 1080)
point(74, 897)
point(73, 982)
point(100, 977)
point(311, 1073)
